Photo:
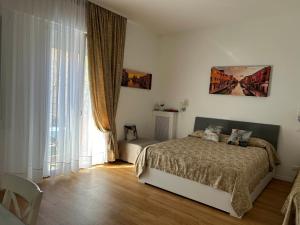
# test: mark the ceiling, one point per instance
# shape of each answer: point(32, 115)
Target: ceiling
point(171, 16)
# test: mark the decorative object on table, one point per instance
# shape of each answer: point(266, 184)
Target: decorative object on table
point(156, 107)
point(130, 132)
point(240, 80)
point(183, 105)
point(162, 107)
point(136, 79)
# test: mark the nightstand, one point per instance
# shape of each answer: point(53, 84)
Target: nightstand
point(129, 150)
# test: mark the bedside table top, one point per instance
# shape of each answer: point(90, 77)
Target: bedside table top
point(140, 141)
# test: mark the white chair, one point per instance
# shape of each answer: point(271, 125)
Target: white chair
point(28, 190)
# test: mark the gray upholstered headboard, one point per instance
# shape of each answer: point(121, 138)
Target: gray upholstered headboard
point(265, 131)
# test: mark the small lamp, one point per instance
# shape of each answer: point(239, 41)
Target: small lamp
point(184, 105)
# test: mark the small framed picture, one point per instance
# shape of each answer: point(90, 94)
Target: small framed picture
point(136, 79)
point(130, 132)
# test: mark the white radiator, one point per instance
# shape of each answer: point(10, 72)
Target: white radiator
point(165, 125)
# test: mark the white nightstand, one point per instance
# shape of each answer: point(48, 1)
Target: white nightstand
point(129, 150)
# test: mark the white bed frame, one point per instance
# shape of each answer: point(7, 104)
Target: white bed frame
point(203, 193)
point(197, 191)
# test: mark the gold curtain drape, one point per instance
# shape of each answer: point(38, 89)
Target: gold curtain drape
point(106, 41)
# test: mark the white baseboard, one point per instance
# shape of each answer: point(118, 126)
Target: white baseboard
point(284, 178)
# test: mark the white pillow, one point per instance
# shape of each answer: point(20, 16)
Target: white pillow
point(212, 133)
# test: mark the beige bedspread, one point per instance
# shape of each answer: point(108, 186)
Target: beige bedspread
point(236, 170)
point(291, 207)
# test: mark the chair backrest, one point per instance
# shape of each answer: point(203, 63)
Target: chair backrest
point(28, 190)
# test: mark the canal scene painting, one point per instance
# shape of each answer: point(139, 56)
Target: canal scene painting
point(136, 79)
point(240, 80)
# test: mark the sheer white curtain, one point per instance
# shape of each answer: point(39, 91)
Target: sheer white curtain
point(24, 91)
point(43, 50)
point(93, 142)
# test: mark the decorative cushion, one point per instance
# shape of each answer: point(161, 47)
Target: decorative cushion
point(197, 134)
point(213, 133)
point(239, 137)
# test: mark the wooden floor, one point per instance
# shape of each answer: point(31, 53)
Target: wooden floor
point(111, 195)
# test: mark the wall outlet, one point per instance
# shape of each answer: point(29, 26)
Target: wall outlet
point(296, 167)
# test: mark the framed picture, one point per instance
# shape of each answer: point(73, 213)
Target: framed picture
point(240, 80)
point(136, 79)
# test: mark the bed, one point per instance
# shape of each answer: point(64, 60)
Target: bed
point(223, 176)
point(291, 207)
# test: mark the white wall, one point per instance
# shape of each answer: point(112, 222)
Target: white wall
point(136, 105)
point(186, 60)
